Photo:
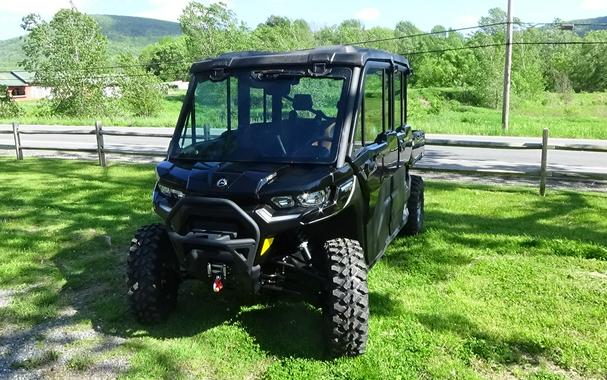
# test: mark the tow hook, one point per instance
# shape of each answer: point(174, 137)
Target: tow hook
point(217, 284)
point(218, 273)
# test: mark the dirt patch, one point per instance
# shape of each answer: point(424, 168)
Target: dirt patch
point(61, 347)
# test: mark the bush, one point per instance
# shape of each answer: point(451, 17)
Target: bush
point(8, 107)
point(141, 92)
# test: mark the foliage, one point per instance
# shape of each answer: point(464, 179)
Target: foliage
point(140, 91)
point(210, 29)
point(8, 107)
point(68, 55)
point(167, 59)
point(439, 60)
point(280, 34)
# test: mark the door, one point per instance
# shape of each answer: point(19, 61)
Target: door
point(403, 135)
point(374, 154)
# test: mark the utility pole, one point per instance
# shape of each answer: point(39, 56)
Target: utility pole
point(507, 70)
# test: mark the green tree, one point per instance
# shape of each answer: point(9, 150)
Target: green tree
point(69, 55)
point(168, 59)
point(140, 91)
point(211, 30)
point(590, 70)
point(280, 33)
point(485, 73)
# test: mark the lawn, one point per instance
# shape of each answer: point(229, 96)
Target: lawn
point(502, 283)
point(582, 116)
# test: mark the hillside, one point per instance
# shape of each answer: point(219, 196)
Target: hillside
point(11, 53)
point(125, 34)
point(582, 29)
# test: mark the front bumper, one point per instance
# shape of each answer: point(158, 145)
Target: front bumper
point(197, 247)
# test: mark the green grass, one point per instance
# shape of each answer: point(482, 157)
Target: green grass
point(502, 283)
point(167, 116)
point(583, 116)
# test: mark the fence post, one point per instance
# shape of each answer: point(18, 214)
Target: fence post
point(100, 147)
point(544, 162)
point(18, 150)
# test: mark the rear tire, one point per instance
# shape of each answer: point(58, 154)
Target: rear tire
point(346, 299)
point(415, 205)
point(153, 275)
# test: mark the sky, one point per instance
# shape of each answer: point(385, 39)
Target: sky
point(423, 13)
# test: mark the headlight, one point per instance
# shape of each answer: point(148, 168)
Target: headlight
point(283, 201)
point(171, 193)
point(314, 198)
point(311, 199)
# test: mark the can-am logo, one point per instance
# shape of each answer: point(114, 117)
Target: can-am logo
point(222, 182)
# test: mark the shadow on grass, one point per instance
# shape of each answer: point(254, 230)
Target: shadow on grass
point(482, 344)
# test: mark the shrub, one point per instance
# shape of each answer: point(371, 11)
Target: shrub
point(141, 92)
point(8, 107)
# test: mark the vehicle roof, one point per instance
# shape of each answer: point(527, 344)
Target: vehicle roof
point(333, 55)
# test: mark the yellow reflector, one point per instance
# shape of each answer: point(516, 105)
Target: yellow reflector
point(267, 242)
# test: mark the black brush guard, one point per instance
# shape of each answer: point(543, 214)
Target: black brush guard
point(214, 230)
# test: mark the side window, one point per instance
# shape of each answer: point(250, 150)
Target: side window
point(373, 114)
point(373, 104)
point(261, 106)
point(386, 107)
point(399, 104)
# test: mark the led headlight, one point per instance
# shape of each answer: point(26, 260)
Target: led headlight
point(284, 201)
point(314, 198)
point(311, 199)
point(171, 193)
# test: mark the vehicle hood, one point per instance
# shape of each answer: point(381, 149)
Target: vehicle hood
point(236, 180)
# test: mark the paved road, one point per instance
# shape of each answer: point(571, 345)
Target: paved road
point(455, 158)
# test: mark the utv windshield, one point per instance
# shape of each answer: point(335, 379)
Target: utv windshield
point(277, 115)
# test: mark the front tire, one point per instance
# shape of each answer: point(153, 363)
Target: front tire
point(153, 275)
point(346, 299)
point(415, 205)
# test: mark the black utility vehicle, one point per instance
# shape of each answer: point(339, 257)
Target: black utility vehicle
point(288, 173)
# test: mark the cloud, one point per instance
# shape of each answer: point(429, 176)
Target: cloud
point(368, 14)
point(171, 9)
point(594, 5)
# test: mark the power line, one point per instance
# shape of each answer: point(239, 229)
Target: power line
point(520, 23)
point(425, 34)
point(503, 44)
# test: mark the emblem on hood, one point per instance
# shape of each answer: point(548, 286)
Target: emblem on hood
point(222, 183)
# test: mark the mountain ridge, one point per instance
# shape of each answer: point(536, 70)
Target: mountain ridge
point(125, 34)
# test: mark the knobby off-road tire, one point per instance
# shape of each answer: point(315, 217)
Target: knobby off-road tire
point(346, 300)
point(415, 205)
point(153, 276)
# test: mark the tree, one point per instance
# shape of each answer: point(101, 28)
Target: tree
point(590, 70)
point(211, 30)
point(485, 73)
point(280, 33)
point(140, 91)
point(168, 59)
point(69, 55)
